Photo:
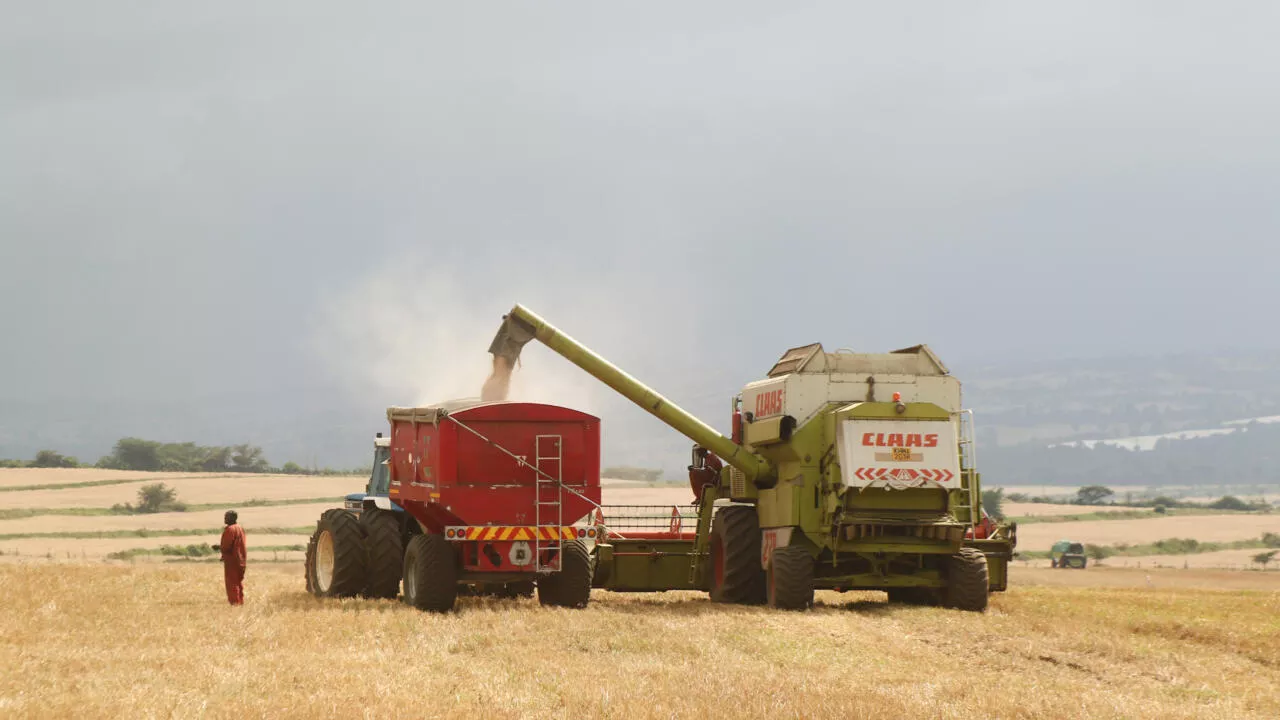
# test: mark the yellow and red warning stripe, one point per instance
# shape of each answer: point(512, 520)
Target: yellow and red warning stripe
point(511, 532)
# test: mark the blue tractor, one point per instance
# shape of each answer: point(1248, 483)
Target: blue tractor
point(358, 549)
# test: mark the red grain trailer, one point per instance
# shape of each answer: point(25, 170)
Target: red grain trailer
point(499, 492)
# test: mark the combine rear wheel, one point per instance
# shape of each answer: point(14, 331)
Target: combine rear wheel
point(386, 553)
point(571, 587)
point(967, 581)
point(736, 576)
point(339, 556)
point(791, 578)
point(430, 573)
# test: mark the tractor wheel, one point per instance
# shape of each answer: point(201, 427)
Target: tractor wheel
point(386, 553)
point(790, 578)
point(571, 587)
point(309, 564)
point(339, 565)
point(736, 575)
point(914, 596)
point(430, 573)
point(967, 584)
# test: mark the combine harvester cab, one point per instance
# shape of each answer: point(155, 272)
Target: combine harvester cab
point(491, 497)
point(844, 471)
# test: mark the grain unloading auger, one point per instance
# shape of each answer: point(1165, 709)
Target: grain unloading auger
point(845, 471)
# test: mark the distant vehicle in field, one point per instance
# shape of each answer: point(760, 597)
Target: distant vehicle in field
point(1067, 554)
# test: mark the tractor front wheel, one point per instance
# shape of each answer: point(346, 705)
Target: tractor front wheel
point(386, 553)
point(967, 581)
point(338, 562)
point(791, 578)
point(571, 587)
point(736, 575)
point(430, 573)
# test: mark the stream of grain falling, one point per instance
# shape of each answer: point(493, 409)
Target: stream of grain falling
point(498, 384)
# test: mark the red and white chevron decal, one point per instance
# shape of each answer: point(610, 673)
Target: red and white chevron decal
point(868, 474)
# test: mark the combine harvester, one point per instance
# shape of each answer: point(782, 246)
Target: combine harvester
point(844, 471)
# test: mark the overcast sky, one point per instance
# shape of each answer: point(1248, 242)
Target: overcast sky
point(213, 199)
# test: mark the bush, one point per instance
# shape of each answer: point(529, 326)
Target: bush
point(293, 468)
point(993, 503)
point(51, 459)
point(153, 498)
point(1230, 502)
point(1177, 546)
point(1271, 540)
point(1161, 509)
point(1093, 494)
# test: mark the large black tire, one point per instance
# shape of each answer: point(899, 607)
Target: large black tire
point(309, 563)
point(914, 596)
point(339, 566)
point(430, 573)
point(736, 575)
point(571, 586)
point(386, 553)
point(790, 578)
point(967, 581)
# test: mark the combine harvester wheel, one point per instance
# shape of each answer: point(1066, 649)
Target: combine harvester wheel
point(791, 578)
point(571, 587)
point(967, 582)
point(736, 576)
point(386, 553)
point(337, 563)
point(430, 573)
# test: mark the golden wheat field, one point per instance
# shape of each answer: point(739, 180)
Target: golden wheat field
point(146, 641)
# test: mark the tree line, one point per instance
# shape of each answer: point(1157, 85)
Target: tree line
point(152, 456)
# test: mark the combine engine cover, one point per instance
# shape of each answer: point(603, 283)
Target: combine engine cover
point(898, 454)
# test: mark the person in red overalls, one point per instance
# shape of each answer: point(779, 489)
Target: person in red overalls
point(233, 558)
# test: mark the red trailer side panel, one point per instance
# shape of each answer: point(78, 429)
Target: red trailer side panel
point(459, 469)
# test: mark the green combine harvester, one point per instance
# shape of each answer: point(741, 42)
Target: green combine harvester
point(843, 471)
point(1066, 554)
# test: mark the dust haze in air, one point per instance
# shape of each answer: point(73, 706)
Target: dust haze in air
point(411, 334)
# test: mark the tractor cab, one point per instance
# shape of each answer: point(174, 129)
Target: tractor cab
point(379, 477)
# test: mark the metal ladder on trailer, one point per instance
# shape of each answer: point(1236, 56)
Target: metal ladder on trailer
point(548, 509)
point(969, 467)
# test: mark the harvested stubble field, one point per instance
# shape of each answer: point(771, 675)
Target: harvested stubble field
point(159, 641)
point(1205, 528)
point(197, 490)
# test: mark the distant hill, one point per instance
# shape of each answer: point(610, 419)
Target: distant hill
point(1038, 423)
point(1178, 419)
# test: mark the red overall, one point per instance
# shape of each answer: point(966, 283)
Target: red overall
point(233, 562)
